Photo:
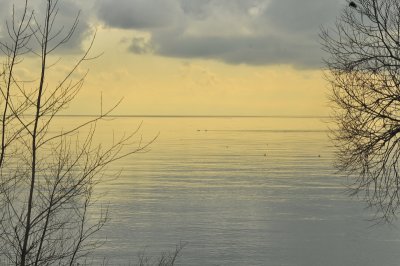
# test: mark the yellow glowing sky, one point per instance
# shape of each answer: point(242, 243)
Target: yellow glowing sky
point(151, 84)
point(187, 57)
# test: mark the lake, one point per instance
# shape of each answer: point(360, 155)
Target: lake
point(238, 191)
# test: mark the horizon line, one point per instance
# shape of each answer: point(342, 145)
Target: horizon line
point(195, 116)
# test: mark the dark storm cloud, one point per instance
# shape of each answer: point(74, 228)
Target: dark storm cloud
point(303, 16)
point(259, 32)
point(263, 50)
point(137, 14)
point(68, 10)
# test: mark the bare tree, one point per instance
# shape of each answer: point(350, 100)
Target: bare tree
point(47, 177)
point(364, 74)
point(166, 258)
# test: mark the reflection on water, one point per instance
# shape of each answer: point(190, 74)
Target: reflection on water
point(240, 191)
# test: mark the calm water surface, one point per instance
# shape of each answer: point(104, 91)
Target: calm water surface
point(239, 191)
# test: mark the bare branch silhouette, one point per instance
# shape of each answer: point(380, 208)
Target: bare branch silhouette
point(47, 178)
point(364, 72)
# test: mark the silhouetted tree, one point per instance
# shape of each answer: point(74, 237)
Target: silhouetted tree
point(166, 258)
point(47, 177)
point(364, 73)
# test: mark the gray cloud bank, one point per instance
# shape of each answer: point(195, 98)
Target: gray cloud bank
point(255, 32)
point(68, 11)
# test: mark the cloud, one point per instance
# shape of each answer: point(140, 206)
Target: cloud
point(141, 45)
point(137, 14)
point(257, 32)
point(305, 16)
point(256, 50)
point(67, 12)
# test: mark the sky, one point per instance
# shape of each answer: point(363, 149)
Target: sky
point(195, 57)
